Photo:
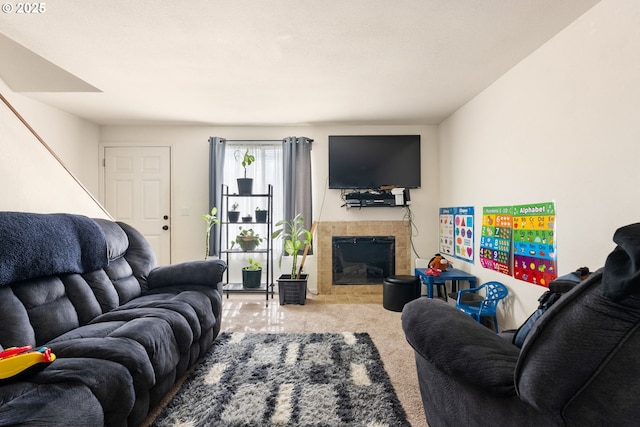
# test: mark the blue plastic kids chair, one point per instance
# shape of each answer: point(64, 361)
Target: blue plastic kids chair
point(494, 292)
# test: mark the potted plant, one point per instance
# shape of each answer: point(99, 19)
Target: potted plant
point(261, 215)
point(247, 218)
point(245, 185)
point(233, 215)
point(252, 274)
point(247, 239)
point(211, 219)
point(292, 287)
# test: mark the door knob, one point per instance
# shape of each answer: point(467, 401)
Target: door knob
point(166, 217)
point(165, 227)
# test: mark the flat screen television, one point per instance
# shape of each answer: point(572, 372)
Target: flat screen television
point(374, 161)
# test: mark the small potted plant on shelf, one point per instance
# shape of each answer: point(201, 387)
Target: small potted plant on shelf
point(252, 274)
point(247, 218)
point(295, 238)
point(211, 219)
point(233, 215)
point(261, 215)
point(245, 185)
point(247, 239)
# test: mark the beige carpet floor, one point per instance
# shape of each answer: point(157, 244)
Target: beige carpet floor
point(249, 313)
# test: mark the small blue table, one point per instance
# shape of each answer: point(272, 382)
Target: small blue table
point(452, 274)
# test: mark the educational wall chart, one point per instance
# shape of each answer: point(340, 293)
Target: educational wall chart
point(446, 246)
point(534, 250)
point(464, 233)
point(457, 232)
point(495, 238)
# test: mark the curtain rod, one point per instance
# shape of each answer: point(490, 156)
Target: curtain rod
point(259, 140)
point(253, 140)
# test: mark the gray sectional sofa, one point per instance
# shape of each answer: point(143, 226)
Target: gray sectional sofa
point(122, 329)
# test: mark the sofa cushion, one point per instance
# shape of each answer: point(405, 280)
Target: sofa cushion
point(139, 254)
point(23, 403)
point(115, 238)
point(101, 389)
point(622, 269)
point(165, 335)
point(103, 290)
point(109, 382)
point(15, 328)
point(192, 273)
point(38, 310)
point(585, 326)
point(147, 324)
point(89, 342)
point(124, 282)
point(455, 344)
point(148, 303)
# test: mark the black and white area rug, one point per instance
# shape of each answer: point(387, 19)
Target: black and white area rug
point(259, 379)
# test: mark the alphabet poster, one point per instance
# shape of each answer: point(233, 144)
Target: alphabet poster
point(495, 238)
point(534, 250)
point(457, 232)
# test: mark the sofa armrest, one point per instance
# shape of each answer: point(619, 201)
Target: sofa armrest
point(204, 272)
point(459, 346)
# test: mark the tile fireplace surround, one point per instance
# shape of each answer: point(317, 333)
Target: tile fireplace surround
point(327, 230)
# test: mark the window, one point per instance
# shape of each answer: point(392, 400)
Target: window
point(267, 169)
point(290, 198)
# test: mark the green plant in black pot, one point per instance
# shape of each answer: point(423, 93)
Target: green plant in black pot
point(247, 239)
point(261, 215)
point(252, 274)
point(211, 219)
point(233, 215)
point(245, 185)
point(295, 237)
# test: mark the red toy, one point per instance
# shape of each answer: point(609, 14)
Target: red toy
point(15, 360)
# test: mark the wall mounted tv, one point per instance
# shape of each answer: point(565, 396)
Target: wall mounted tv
point(374, 161)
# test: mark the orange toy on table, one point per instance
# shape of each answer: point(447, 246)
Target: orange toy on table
point(437, 265)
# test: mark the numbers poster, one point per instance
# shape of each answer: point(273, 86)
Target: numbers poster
point(534, 250)
point(495, 238)
point(457, 232)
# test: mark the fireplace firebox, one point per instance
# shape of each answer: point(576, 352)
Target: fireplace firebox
point(363, 260)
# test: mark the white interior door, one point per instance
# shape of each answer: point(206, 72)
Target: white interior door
point(138, 192)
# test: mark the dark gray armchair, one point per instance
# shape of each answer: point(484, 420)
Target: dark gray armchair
point(579, 365)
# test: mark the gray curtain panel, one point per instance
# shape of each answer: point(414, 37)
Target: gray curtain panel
point(217, 148)
point(296, 153)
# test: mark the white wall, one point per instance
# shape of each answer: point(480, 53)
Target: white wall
point(32, 179)
point(561, 126)
point(190, 169)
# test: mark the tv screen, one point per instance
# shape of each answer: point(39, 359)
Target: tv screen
point(374, 161)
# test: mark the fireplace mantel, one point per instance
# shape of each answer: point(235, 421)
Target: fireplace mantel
point(327, 230)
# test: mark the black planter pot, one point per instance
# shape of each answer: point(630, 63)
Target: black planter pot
point(292, 291)
point(233, 216)
point(251, 278)
point(261, 216)
point(247, 219)
point(245, 186)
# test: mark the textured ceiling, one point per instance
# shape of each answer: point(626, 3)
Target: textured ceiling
point(272, 62)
